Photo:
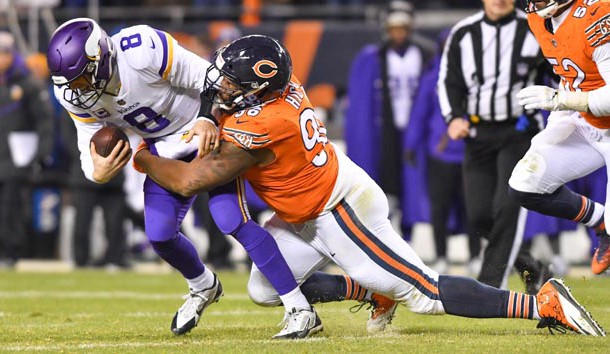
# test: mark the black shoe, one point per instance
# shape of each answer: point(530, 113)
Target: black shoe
point(536, 278)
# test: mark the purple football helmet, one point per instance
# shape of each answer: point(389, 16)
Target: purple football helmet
point(80, 47)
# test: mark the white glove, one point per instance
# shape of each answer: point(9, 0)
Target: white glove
point(550, 99)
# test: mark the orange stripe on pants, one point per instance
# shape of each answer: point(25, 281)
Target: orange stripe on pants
point(381, 254)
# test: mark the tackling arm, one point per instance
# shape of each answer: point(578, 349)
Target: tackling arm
point(187, 179)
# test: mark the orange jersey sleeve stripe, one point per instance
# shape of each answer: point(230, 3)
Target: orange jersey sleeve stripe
point(381, 254)
point(246, 139)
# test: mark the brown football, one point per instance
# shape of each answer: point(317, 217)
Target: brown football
point(107, 138)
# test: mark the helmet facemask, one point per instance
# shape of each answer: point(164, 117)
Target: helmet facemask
point(230, 93)
point(547, 11)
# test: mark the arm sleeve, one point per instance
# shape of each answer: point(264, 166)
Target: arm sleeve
point(84, 132)
point(247, 134)
point(599, 104)
point(452, 88)
point(86, 125)
point(188, 69)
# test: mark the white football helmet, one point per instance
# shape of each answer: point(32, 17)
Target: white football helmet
point(549, 10)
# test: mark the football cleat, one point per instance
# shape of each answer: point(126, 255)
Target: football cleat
point(382, 313)
point(188, 315)
point(601, 258)
point(299, 324)
point(560, 311)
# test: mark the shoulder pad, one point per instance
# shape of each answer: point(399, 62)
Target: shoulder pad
point(145, 48)
point(598, 32)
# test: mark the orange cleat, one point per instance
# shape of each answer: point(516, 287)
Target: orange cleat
point(601, 258)
point(382, 313)
point(560, 311)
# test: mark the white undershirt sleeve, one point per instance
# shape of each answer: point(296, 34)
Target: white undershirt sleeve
point(84, 133)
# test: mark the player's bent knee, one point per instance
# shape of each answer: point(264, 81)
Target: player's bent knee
point(525, 199)
point(527, 174)
point(263, 294)
point(229, 226)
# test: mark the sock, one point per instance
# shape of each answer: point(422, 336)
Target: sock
point(353, 290)
point(466, 297)
point(591, 213)
point(204, 281)
point(181, 254)
point(295, 299)
point(324, 287)
point(562, 203)
point(264, 252)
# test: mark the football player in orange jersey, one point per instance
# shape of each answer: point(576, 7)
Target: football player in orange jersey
point(327, 209)
point(574, 36)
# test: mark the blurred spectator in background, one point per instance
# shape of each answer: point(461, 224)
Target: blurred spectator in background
point(47, 178)
point(427, 128)
point(27, 143)
point(85, 197)
point(227, 35)
point(381, 86)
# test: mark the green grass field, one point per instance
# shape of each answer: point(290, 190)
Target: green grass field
point(93, 311)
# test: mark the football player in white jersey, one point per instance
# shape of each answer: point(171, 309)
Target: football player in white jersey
point(141, 79)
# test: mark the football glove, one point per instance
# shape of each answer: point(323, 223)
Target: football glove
point(550, 99)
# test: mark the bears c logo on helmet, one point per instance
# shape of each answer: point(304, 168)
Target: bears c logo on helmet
point(265, 69)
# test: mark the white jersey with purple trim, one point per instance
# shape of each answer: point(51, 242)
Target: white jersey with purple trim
point(160, 83)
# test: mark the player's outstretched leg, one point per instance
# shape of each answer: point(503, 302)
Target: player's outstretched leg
point(188, 315)
point(299, 324)
point(553, 305)
point(558, 309)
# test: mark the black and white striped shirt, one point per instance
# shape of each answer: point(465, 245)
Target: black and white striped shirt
point(485, 64)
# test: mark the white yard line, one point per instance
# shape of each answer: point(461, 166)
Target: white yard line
point(173, 344)
point(102, 295)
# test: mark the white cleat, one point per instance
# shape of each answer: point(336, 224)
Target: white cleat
point(299, 324)
point(188, 315)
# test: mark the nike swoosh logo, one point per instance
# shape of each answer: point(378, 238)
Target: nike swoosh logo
point(152, 43)
point(241, 121)
point(594, 11)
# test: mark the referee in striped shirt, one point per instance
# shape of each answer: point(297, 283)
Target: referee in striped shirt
point(487, 59)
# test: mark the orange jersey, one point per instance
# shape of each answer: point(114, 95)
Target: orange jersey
point(299, 182)
point(570, 48)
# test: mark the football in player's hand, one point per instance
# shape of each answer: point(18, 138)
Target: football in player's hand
point(107, 138)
